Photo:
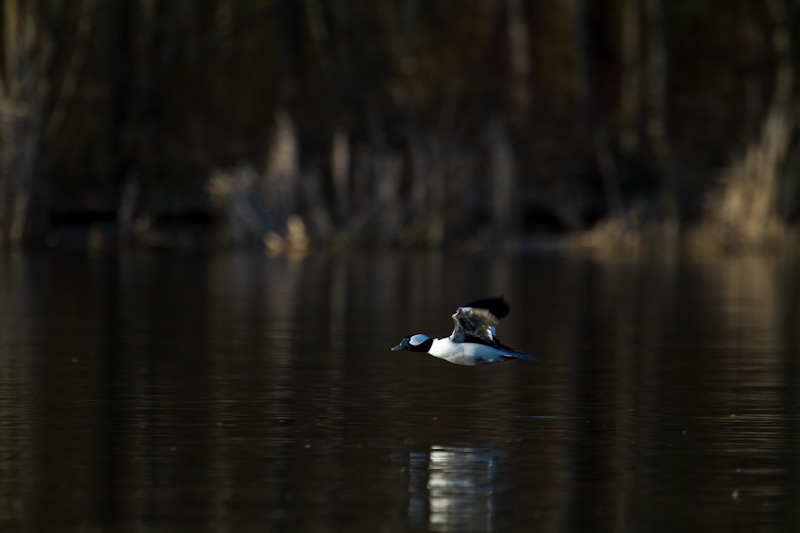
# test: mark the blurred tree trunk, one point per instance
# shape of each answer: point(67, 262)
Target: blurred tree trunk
point(289, 46)
point(340, 174)
point(121, 146)
point(150, 56)
point(320, 34)
point(656, 127)
point(754, 54)
point(143, 52)
point(502, 168)
point(20, 122)
point(44, 46)
point(598, 134)
point(519, 46)
point(631, 78)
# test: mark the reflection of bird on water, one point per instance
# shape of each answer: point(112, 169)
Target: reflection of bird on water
point(453, 488)
point(473, 340)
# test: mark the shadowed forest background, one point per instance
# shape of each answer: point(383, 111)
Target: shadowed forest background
point(338, 123)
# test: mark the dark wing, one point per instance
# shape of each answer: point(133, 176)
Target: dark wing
point(477, 321)
point(497, 306)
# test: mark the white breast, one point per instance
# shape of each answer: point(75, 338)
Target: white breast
point(464, 353)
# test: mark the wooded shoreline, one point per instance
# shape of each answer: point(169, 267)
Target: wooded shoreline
point(321, 124)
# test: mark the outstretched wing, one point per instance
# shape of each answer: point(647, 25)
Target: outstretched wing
point(477, 321)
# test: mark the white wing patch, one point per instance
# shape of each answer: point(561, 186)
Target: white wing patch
point(418, 339)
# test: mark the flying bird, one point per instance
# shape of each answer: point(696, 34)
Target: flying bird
point(473, 341)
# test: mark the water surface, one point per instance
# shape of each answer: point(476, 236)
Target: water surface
point(239, 391)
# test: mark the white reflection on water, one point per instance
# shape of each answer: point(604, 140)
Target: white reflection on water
point(452, 488)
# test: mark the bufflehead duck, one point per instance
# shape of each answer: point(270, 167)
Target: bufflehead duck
point(473, 340)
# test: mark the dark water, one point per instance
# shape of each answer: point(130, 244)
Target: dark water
point(240, 392)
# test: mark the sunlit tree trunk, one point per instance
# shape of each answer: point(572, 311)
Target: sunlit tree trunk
point(282, 175)
point(780, 120)
point(747, 207)
point(340, 174)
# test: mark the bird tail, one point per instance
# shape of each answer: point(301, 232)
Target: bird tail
point(520, 355)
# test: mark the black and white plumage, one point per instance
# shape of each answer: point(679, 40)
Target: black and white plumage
point(473, 341)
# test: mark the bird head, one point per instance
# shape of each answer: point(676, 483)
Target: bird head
point(415, 343)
